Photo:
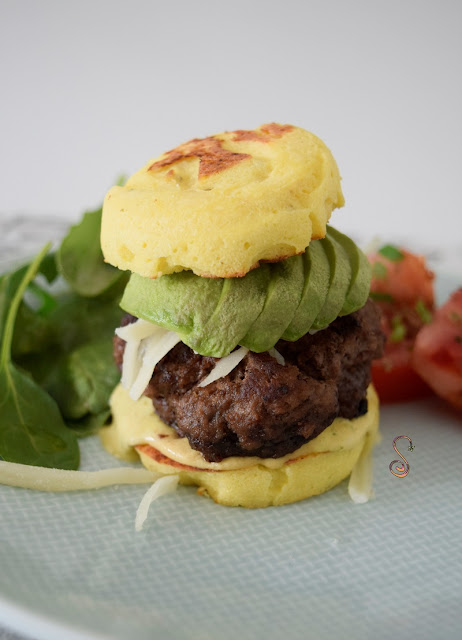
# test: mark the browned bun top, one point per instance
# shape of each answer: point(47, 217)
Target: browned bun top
point(219, 205)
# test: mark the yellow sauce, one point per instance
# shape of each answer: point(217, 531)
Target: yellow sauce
point(136, 423)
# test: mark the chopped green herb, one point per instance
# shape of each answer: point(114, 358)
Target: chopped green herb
point(381, 297)
point(455, 317)
point(424, 313)
point(398, 332)
point(391, 253)
point(121, 180)
point(379, 271)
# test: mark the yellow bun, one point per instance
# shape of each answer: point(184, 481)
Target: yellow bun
point(221, 204)
point(314, 468)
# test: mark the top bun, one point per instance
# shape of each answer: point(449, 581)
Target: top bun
point(220, 205)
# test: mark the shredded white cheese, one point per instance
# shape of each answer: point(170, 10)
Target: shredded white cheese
point(277, 356)
point(137, 330)
point(130, 363)
point(162, 486)
point(224, 366)
point(146, 344)
point(44, 479)
point(153, 349)
point(360, 483)
point(135, 335)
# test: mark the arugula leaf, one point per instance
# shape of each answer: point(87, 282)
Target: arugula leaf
point(80, 259)
point(32, 430)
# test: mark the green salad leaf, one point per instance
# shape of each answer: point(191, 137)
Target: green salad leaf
point(80, 260)
point(32, 429)
point(90, 424)
point(73, 362)
point(82, 380)
point(32, 331)
point(57, 319)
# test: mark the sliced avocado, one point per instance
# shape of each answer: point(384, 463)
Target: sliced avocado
point(317, 277)
point(240, 304)
point(285, 299)
point(171, 301)
point(211, 315)
point(339, 282)
point(282, 299)
point(358, 291)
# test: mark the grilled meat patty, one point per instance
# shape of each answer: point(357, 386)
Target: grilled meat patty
point(263, 408)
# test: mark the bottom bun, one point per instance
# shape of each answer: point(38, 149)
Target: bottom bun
point(251, 482)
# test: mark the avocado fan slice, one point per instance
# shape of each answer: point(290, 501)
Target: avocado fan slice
point(240, 304)
point(316, 285)
point(339, 282)
point(210, 314)
point(282, 299)
point(358, 291)
point(171, 301)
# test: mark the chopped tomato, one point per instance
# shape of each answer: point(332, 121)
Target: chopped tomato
point(401, 277)
point(402, 286)
point(394, 378)
point(437, 354)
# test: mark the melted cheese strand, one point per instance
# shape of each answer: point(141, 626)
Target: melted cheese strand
point(224, 366)
point(161, 487)
point(44, 479)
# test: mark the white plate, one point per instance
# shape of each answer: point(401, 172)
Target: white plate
point(73, 567)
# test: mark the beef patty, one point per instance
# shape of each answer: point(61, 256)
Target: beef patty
point(263, 408)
